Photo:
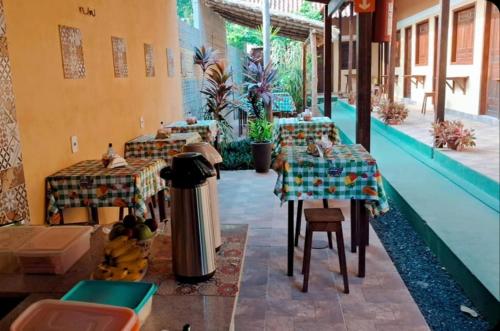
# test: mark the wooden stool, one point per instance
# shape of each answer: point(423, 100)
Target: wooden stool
point(424, 103)
point(324, 220)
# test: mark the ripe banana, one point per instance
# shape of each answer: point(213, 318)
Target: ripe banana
point(134, 276)
point(134, 266)
point(118, 241)
point(132, 254)
point(122, 249)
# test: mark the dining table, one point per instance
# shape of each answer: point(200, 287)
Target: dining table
point(148, 146)
point(297, 132)
point(89, 184)
point(349, 172)
point(208, 129)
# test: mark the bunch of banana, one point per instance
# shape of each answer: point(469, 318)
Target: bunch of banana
point(123, 260)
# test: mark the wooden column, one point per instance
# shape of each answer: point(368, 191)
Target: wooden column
point(379, 64)
point(304, 75)
point(314, 74)
point(363, 107)
point(442, 60)
point(392, 59)
point(327, 90)
point(349, 71)
point(339, 77)
point(386, 57)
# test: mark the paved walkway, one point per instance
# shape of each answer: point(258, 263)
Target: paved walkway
point(484, 158)
point(270, 300)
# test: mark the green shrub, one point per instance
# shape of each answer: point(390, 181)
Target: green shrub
point(237, 155)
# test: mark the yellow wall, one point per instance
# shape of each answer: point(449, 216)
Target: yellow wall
point(99, 108)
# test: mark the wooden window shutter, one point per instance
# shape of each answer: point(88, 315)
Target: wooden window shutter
point(422, 51)
point(463, 36)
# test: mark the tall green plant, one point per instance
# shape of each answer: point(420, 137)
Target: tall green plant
point(218, 92)
point(259, 85)
point(287, 56)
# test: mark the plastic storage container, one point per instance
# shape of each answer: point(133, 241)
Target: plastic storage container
point(134, 295)
point(55, 250)
point(11, 239)
point(52, 315)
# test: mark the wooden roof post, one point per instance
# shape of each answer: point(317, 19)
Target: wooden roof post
point(304, 75)
point(442, 60)
point(363, 108)
point(349, 72)
point(339, 81)
point(392, 57)
point(363, 81)
point(328, 64)
point(314, 74)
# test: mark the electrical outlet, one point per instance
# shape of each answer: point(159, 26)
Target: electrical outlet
point(142, 122)
point(74, 144)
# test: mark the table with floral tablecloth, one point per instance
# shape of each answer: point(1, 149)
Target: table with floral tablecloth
point(89, 184)
point(147, 146)
point(296, 132)
point(349, 173)
point(283, 102)
point(207, 129)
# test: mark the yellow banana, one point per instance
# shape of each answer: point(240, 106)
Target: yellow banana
point(122, 249)
point(102, 272)
point(118, 273)
point(115, 243)
point(135, 276)
point(132, 254)
point(134, 266)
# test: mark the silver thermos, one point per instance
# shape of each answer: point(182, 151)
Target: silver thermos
point(213, 156)
point(193, 247)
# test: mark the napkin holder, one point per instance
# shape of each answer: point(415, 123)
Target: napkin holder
point(163, 133)
point(117, 162)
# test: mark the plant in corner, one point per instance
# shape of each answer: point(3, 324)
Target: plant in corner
point(218, 88)
point(259, 94)
point(453, 134)
point(260, 133)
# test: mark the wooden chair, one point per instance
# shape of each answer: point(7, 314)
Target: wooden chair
point(324, 220)
point(424, 103)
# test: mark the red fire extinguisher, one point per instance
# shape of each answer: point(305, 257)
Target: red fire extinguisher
point(382, 21)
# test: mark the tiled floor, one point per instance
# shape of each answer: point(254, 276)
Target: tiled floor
point(270, 300)
point(418, 126)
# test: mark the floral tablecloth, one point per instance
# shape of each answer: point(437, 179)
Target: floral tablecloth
point(147, 146)
point(283, 102)
point(350, 173)
point(89, 184)
point(295, 132)
point(206, 128)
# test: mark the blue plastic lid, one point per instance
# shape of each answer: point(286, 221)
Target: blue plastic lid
point(133, 295)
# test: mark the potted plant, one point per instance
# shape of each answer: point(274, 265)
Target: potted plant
point(260, 133)
point(393, 113)
point(453, 134)
point(216, 87)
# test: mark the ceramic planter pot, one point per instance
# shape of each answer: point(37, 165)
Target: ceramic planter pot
point(393, 122)
point(452, 144)
point(262, 156)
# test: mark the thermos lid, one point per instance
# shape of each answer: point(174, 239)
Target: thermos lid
point(188, 170)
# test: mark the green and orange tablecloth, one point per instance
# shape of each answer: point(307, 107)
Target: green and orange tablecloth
point(89, 184)
point(207, 129)
point(147, 146)
point(296, 132)
point(349, 173)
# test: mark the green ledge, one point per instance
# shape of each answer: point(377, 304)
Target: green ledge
point(455, 215)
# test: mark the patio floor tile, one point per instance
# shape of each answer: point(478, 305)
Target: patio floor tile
point(270, 300)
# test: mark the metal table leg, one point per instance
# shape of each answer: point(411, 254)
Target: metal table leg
point(362, 239)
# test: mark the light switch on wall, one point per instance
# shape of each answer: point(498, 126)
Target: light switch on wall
point(142, 122)
point(74, 144)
